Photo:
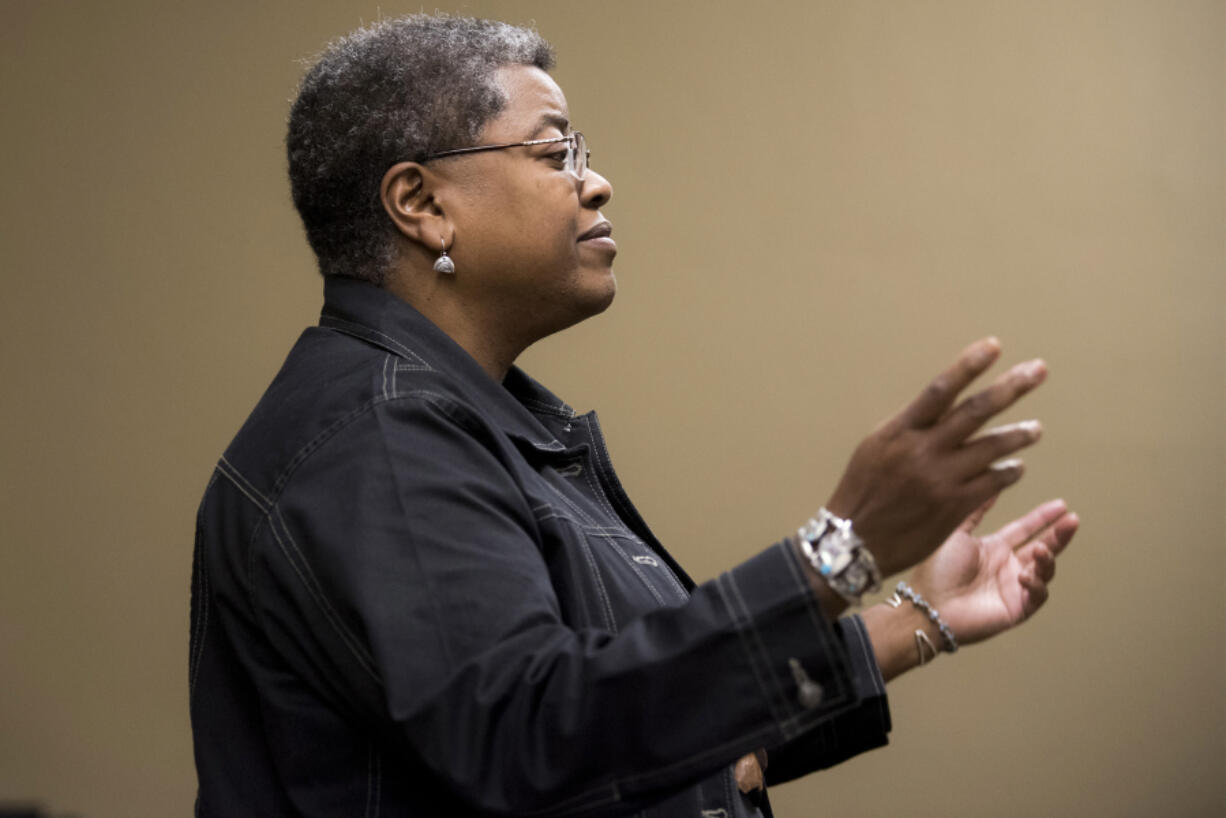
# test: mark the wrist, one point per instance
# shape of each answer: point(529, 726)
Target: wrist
point(929, 645)
point(832, 604)
point(904, 635)
point(906, 596)
point(892, 632)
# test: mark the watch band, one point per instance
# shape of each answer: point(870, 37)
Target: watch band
point(839, 556)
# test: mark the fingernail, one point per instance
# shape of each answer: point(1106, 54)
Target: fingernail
point(1032, 428)
point(1035, 368)
point(1012, 464)
point(987, 350)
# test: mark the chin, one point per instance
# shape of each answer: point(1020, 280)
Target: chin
point(587, 303)
point(606, 297)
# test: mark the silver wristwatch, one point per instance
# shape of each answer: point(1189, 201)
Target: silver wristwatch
point(839, 556)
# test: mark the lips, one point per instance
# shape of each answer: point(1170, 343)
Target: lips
point(601, 230)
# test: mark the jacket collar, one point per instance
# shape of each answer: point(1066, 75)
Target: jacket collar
point(519, 405)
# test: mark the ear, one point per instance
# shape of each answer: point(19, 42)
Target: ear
point(409, 196)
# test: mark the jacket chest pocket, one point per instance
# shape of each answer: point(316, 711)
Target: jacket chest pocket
point(603, 573)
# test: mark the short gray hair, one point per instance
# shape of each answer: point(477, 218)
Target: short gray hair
point(400, 89)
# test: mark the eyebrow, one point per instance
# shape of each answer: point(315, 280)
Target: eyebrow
point(552, 120)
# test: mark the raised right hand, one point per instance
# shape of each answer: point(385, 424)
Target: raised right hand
point(918, 475)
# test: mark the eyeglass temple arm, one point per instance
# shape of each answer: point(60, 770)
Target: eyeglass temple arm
point(568, 138)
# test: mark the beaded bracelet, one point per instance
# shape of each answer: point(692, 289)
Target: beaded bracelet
point(905, 591)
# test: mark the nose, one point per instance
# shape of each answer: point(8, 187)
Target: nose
point(595, 191)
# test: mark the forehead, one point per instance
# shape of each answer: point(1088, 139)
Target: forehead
point(535, 104)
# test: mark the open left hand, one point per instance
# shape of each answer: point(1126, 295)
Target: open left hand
point(983, 585)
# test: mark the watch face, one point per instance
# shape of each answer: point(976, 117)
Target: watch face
point(837, 560)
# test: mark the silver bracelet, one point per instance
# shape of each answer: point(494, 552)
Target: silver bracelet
point(905, 591)
point(922, 641)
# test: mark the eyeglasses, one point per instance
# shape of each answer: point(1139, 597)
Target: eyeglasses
point(577, 154)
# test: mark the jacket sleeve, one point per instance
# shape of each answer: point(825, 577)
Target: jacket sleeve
point(849, 733)
point(402, 575)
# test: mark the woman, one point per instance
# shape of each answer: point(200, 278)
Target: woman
point(419, 588)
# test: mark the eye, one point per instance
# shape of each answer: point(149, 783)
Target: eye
point(558, 156)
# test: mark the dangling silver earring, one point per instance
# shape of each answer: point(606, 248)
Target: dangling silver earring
point(443, 264)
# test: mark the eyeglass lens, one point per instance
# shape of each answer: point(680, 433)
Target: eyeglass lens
point(578, 155)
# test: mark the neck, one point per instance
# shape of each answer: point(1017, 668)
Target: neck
point(487, 343)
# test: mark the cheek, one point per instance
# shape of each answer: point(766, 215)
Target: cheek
point(537, 243)
point(544, 234)
point(525, 228)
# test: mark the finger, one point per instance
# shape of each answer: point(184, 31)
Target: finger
point(976, 517)
point(1042, 561)
point(939, 395)
point(1028, 557)
point(976, 410)
point(1024, 528)
point(1035, 593)
point(976, 455)
point(995, 479)
point(1058, 535)
point(1044, 564)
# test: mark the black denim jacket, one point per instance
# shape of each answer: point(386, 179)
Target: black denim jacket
point(417, 592)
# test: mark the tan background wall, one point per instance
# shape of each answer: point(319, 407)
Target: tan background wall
point(817, 205)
